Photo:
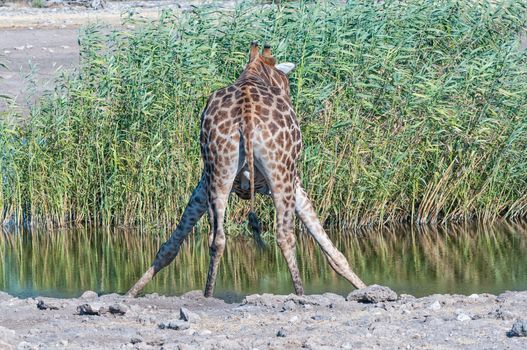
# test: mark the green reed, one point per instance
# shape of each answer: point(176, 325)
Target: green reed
point(410, 111)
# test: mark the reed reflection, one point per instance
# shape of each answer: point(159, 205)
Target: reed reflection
point(418, 260)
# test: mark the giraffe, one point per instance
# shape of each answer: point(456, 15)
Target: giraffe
point(250, 143)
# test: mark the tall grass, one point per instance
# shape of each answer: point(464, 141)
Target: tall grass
point(410, 111)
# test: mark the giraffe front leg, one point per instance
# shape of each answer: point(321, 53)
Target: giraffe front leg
point(337, 260)
point(168, 251)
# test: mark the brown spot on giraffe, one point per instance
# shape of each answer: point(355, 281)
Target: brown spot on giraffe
point(246, 144)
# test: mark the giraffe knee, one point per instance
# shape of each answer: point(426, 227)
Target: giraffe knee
point(286, 241)
point(217, 245)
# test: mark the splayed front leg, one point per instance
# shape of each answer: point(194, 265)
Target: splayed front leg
point(336, 259)
point(169, 250)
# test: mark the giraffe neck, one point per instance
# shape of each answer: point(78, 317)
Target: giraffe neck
point(264, 72)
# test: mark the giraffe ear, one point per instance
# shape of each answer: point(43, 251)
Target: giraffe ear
point(286, 67)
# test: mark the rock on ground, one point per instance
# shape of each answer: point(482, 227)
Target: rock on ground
point(372, 294)
point(519, 329)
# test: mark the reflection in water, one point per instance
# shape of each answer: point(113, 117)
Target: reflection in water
point(415, 260)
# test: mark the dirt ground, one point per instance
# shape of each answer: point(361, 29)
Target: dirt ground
point(46, 52)
point(38, 43)
point(266, 321)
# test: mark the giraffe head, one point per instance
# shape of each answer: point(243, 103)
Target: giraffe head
point(266, 67)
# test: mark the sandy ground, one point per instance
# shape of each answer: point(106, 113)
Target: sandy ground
point(37, 44)
point(19, 15)
point(35, 54)
point(266, 321)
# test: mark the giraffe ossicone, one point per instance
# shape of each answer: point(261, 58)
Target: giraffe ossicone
point(250, 143)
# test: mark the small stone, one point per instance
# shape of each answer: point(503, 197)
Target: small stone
point(191, 331)
point(41, 305)
point(294, 319)
point(136, 340)
point(501, 314)
point(34, 331)
point(463, 317)
point(281, 333)
point(519, 329)
point(289, 305)
point(117, 309)
point(20, 48)
point(7, 51)
point(146, 320)
point(188, 316)
point(177, 325)
point(436, 305)
point(88, 295)
point(86, 309)
point(320, 318)
point(156, 342)
point(346, 346)
point(29, 46)
point(205, 332)
point(473, 296)
point(372, 294)
point(24, 345)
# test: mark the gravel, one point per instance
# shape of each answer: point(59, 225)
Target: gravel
point(315, 321)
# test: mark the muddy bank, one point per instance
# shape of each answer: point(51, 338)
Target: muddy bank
point(325, 321)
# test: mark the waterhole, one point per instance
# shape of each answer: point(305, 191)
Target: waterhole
point(413, 260)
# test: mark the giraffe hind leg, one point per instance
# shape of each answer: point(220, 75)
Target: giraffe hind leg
point(168, 251)
point(337, 260)
point(218, 196)
point(283, 196)
point(287, 241)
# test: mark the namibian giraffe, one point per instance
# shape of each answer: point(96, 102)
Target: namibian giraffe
point(250, 142)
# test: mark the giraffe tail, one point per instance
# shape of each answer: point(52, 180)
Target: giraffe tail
point(254, 223)
point(256, 228)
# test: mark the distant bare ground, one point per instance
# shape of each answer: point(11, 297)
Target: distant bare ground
point(46, 39)
point(19, 15)
point(48, 50)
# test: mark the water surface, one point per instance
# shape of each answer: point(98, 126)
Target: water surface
point(414, 260)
